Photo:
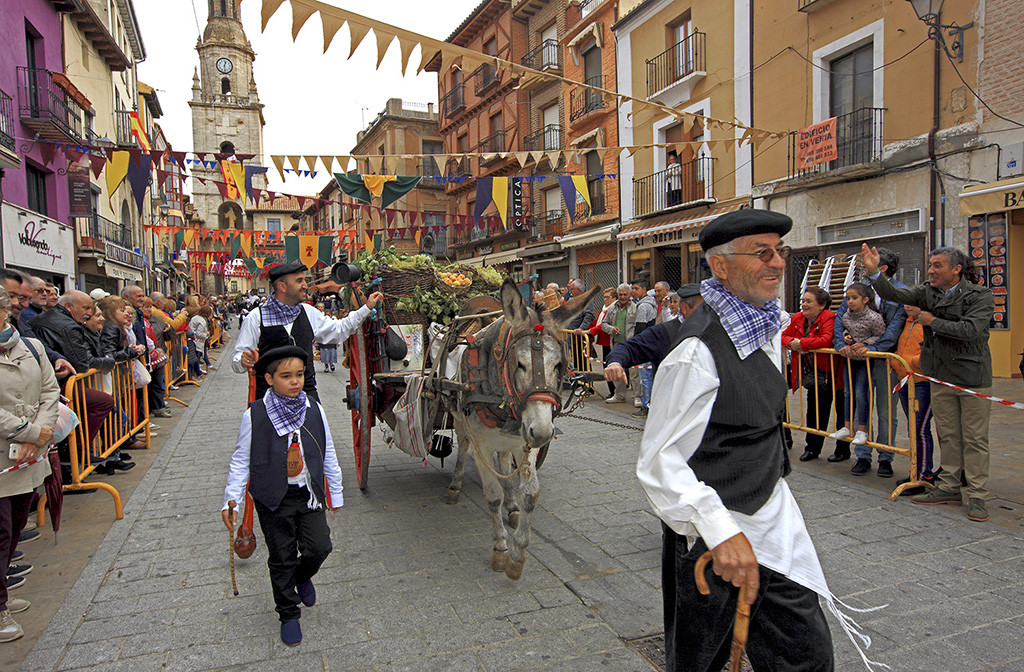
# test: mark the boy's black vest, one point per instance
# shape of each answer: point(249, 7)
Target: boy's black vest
point(268, 455)
point(277, 336)
point(742, 454)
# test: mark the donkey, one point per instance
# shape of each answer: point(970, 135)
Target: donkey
point(525, 367)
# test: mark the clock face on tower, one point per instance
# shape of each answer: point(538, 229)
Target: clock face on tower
point(224, 65)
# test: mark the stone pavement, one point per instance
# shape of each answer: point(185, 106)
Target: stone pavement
point(409, 586)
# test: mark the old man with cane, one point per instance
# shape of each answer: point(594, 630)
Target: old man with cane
point(713, 461)
point(285, 319)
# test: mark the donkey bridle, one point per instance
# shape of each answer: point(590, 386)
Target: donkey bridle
point(538, 391)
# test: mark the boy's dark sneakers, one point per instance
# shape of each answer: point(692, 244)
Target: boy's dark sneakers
point(27, 536)
point(860, 467)
point(884, 469)
point(307, 593)
point(291, 632)
point(15, 582)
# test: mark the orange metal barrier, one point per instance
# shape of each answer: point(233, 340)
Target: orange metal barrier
point(182, 376)
point(124, 421)
point(873, 359)
point(576, 348)
point(216, 335)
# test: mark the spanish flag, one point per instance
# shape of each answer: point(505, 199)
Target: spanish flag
point(138, 130)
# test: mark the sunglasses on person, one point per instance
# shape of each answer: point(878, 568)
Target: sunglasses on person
point(767, 254)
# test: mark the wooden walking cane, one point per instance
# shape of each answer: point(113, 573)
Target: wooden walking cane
point(231, 547)
point(742, 623)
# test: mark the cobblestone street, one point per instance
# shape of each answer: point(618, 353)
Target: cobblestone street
point(409, 585)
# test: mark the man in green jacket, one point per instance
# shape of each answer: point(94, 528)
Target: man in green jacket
point(956, 314)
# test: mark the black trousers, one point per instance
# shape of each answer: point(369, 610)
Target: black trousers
point(819, 408)
point(788, 632)
point(14, 513)
point(298, 542)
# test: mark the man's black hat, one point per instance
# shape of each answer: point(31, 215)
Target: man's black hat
point(688, 291)
point(743, 222)
point(276, 354)
point(285, 269)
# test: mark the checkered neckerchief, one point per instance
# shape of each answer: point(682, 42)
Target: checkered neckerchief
point(749, 327)
point(276, 314)
point(286, 413)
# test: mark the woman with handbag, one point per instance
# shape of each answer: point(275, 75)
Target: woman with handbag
point(812, 329)
point(29, 397)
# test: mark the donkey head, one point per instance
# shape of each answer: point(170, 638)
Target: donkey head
point(533, 344)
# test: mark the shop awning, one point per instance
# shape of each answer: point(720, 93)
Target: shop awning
point(676, 223)
point(601, 234)
point(472, 261)
point(993, 197)
point(501, 257)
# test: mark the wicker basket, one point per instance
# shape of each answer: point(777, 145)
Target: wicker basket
point(406, 317)
point(401, 281)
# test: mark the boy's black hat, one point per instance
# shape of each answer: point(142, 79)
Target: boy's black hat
point(743, 222)
point(276, 354)
point(285, 269)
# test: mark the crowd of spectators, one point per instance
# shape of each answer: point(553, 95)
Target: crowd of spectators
point(48, 337)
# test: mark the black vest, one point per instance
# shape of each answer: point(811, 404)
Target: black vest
point(277, 336)
point(742, 453)
point(268, 455)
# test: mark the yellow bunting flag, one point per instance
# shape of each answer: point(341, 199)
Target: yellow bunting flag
point(308, 246)
point(499, 192)
point(369, 243)
point(117, 169)
point(580, 182)
point(190, 235)
point(246, 245)
point(416, 235)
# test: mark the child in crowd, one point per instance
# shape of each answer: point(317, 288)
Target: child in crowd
point(862, 323)
point(286, 455)
point(328, 351)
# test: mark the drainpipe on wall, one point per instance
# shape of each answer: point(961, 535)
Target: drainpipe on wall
point(933, 174)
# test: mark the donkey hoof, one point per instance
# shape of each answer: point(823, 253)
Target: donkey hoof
point(513, 569)
point(513, 519)
point(499, 560)
point(453, 496)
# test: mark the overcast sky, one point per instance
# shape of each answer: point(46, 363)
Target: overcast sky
point(315, 102)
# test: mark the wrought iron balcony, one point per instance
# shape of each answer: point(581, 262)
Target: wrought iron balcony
point(858, 142)
point(485, 76)
point(457, 168)
point(493, 143)
point(597, 206)
point(670, 188)
point(545, 56)
point(6, 121)
point(676, 63)
point(431, 174)
point(123, 129)
point(453, 101)
point(96, 230)
point(46, 108)
point(553, 224)
point(575, 13)
point(583, 101)
point(547, 138)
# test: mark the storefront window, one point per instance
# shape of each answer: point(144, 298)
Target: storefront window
point(639, 265)
point(697, 265)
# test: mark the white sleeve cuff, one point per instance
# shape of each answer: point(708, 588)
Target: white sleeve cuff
point(715, 526)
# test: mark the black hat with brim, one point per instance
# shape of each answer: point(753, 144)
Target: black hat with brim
point(688, 291)
point(743, 222)
point(286, 269)
point(277, 354)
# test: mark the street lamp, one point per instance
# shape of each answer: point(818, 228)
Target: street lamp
point(928, 11)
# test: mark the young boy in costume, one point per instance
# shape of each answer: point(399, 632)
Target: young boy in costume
point(285, 453)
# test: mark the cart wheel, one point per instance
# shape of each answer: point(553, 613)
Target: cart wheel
point(362, 418)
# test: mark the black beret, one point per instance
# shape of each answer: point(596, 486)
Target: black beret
point(743, 222)
point(688, 291)
point(286, 269)
point(277, 354)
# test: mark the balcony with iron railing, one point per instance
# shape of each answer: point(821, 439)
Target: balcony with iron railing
point(551, 224)
point(6, 122)
point(858, 144)
point(545, 56)
point(546, 139)
point(453, 101)
point(692, 182)
point(576, 12)
point(123, 129)
point(486, 76)
point(597, 205)
point(431, 174)
point(492, 144)
point(96, 230)
point(583, 101)
point(678, 67)
point(46, 108)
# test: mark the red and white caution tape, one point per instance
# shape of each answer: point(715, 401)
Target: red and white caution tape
point(1005, 402)
point(638, 366)
point(24, 465)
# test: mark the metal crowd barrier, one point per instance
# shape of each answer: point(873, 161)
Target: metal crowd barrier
point(124, 421)
point(872, 359)
point(216, 335)
point(182, 375)
point(576, 348)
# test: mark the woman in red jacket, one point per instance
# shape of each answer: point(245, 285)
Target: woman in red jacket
point(604, 339)
point(812, 329)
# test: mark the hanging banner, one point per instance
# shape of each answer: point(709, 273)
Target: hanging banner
point(291, 249)
point(515, 211)
point(80, 190)
point(816, 144)
point(499, 192)
point(308, 248)
point(325, 252)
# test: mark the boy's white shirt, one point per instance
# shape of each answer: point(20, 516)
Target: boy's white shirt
point(238, 472)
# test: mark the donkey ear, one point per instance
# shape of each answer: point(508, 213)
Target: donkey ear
point(564, 314)
point(512, 302)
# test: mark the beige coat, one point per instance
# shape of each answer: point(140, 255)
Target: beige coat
point(28, 401)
